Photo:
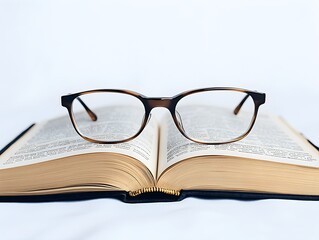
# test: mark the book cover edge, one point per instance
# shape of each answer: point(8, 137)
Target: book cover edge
point(156, 196)
point(6, 147)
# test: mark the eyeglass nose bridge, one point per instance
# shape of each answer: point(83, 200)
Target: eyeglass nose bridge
point(164, 102)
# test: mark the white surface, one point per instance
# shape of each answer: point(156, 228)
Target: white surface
point(50, 48)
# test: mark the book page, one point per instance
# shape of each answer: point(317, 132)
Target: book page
point(270, 139)
point(57, 138)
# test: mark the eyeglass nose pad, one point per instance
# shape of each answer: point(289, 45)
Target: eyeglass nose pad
point(149, 118)
point(180, 122)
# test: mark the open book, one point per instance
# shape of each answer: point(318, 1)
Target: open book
point(51, 158)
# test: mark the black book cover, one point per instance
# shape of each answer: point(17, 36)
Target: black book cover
point(150, 196)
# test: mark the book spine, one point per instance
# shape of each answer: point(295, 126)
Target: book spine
point(154, 189)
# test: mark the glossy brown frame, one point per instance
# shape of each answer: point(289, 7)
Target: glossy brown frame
point(167, 102)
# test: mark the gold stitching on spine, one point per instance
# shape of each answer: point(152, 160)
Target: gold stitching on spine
point(154, 189)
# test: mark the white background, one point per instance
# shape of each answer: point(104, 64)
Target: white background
point(158, 48)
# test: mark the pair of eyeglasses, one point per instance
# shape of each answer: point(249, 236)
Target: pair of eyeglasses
point(213, 116)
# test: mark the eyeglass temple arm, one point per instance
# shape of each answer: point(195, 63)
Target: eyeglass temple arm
point(88, 110)
point(237, 109)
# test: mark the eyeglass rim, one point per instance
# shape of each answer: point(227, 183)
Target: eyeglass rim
point(167, 102)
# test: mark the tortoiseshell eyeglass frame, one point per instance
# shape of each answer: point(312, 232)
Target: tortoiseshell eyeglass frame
point(167, 102)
